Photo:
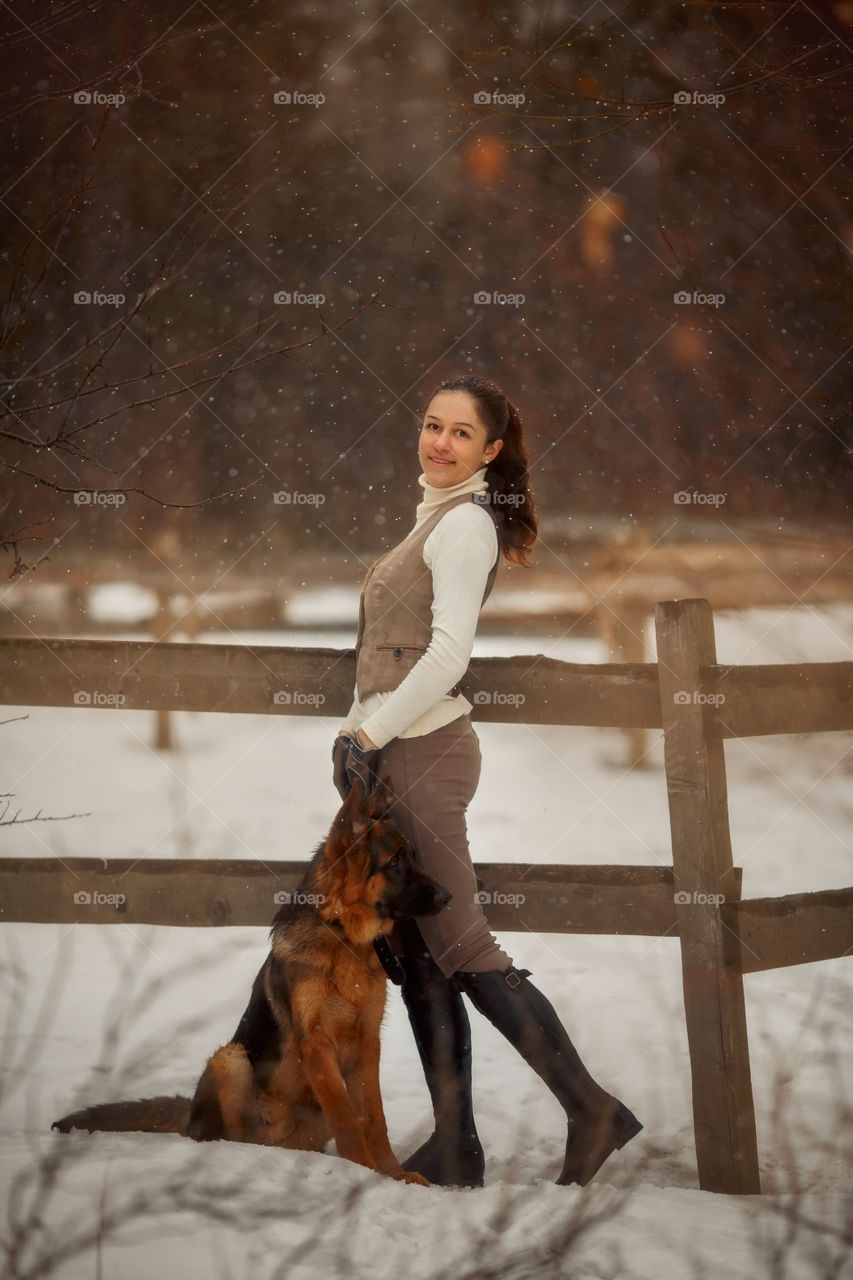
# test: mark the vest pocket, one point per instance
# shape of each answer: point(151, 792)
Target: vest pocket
point(397, 650)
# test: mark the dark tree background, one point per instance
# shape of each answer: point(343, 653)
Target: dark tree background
point(585, 185)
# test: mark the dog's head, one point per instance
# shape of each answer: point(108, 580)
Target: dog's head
point(370, 872)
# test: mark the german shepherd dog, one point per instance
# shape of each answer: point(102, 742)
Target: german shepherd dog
point(303, 1064)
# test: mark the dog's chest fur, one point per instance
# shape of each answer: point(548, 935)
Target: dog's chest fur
point(357, 976)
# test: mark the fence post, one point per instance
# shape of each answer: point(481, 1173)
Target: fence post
point(622, 627)
point(161, 625)
point(723, 1113)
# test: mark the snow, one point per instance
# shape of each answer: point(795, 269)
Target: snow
point(326, 606)
point(126, 602)
point(242, 786)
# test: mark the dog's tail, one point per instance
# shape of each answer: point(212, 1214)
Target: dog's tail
point(148, 1115)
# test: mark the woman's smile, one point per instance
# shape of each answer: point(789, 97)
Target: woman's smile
point(453, 438)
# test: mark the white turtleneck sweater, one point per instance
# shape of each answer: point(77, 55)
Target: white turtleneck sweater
point(459, 552)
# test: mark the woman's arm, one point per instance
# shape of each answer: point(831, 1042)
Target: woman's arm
point(348, 726)
point(460, 552)
point(349, 718)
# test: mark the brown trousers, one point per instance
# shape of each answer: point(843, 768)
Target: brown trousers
point(434, 778)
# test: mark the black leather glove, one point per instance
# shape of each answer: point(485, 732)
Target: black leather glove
point(340, 751)
point(361, 763)
point(350, 760)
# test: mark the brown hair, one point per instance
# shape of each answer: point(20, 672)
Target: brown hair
point(510, 493)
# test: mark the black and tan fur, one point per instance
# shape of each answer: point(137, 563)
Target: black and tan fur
point(303, 1064)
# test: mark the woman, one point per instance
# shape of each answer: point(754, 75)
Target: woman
point(417, 618)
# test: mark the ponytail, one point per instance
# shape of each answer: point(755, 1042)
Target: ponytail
point(510, 494)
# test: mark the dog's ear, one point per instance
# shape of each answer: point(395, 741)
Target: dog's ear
point(354, 815)
point(359, 811)
point(382, 796)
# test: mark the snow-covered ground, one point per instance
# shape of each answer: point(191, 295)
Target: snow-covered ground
point(242, 786)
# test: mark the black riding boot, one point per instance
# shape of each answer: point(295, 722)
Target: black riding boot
point(452, 1156)
point(599, 1124)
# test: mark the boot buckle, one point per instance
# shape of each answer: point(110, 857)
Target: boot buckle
point(513, 977)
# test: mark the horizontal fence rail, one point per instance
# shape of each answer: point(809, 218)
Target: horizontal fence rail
point(813, 697)
point(799, 928)
point(552, 899)
point(763, 933)
point(270, 680)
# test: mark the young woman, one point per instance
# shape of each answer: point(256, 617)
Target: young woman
point(417, 618)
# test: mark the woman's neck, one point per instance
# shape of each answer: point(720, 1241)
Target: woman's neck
point(434, 497)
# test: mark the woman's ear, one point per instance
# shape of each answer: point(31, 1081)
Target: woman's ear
point(492, 450)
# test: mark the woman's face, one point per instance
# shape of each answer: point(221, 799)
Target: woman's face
point(452, 443)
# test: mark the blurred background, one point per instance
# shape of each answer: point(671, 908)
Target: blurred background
point(242, 246)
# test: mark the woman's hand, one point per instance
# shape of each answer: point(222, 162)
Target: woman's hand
point(353, 756)
point(366, 742)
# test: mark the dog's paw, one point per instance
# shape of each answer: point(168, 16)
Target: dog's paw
point(416, 1179)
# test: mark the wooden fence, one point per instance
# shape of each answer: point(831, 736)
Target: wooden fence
point(696, 702)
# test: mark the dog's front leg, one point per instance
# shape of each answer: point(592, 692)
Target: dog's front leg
point(376, 1126)
point(320, 1064)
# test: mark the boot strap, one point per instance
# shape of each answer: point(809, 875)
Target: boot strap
point(513, 976)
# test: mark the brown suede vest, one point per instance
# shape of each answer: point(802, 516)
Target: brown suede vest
point(395, 609)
